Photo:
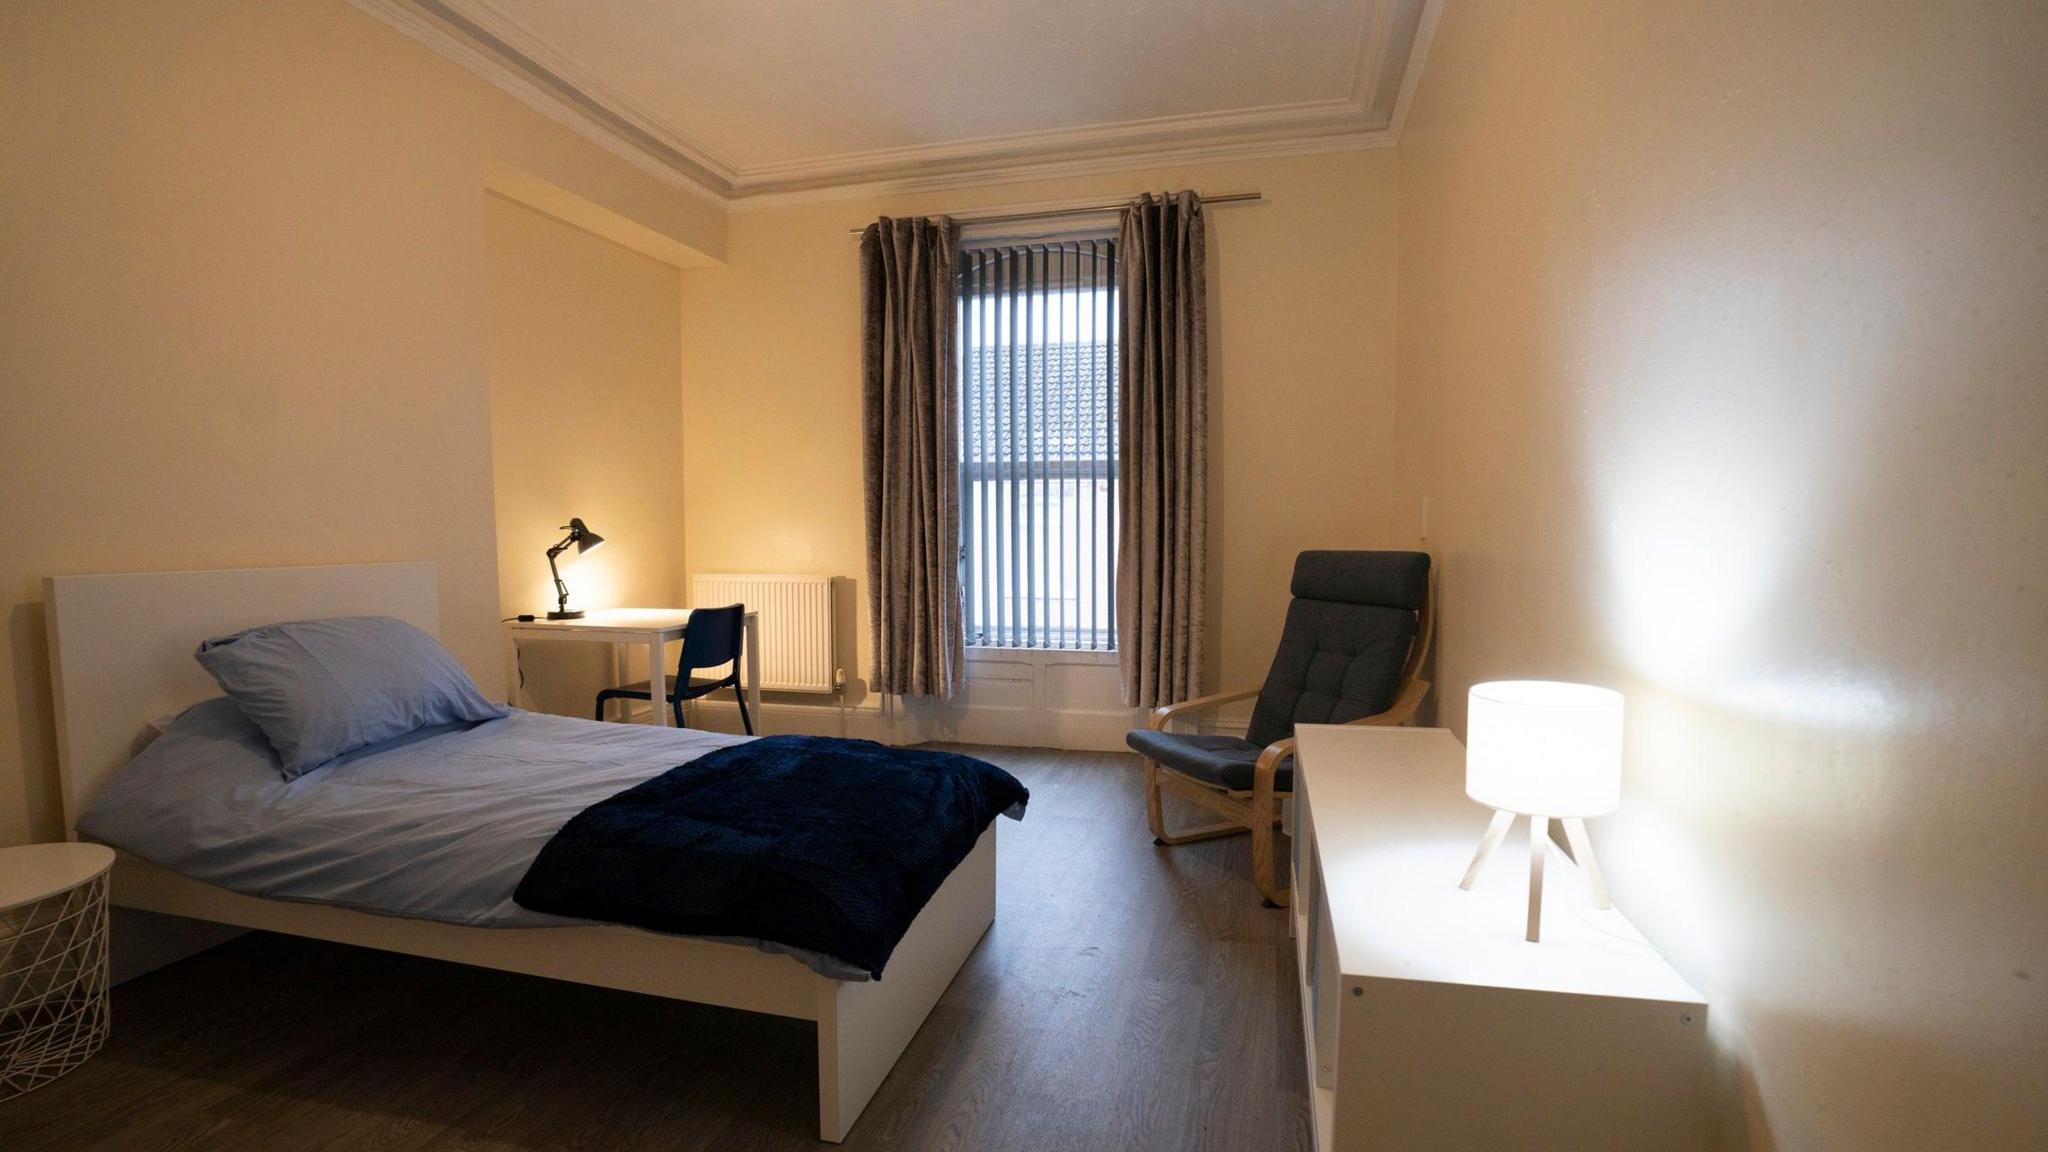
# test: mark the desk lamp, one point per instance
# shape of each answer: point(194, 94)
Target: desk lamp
point(584, 540)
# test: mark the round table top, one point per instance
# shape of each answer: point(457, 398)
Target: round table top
point(35, 872)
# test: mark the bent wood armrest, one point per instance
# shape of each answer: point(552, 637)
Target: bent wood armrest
point(1264, 770)
point(1261, 821)
point(1399, 713)
point(1402, 710)
point(1168, 713)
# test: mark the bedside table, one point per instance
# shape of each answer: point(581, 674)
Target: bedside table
point(53, 961)
point(1429, 1021)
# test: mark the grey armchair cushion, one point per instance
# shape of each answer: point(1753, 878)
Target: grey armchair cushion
point(1224, 761)
point(1345, 640)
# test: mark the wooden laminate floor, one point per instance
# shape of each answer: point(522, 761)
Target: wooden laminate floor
point(1128, 997)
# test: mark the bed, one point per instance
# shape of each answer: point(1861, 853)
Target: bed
point(121, 653)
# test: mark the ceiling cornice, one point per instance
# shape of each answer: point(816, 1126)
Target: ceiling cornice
point(1393, 36)
point(432, 24)
point(1012, 172)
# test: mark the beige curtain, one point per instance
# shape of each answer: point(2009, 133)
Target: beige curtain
point(910, 429)
point(1162, 441)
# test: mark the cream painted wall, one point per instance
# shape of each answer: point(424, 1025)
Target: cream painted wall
point(1302, 328)
point(1722, 360)
point(586, 420)
point(244, 319)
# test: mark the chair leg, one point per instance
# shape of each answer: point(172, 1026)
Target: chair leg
point(600, 709)
point(1262, 865)
point(1155, 808)
point(740, 694)
point(675, 704)
point(1155, 817)
point(1205, 832)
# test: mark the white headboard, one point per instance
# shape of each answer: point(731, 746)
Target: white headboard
point(121, 645)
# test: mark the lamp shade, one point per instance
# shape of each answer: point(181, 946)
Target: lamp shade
point(584, 537)
point(1544, 748)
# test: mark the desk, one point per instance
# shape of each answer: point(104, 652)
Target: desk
point(654, 627)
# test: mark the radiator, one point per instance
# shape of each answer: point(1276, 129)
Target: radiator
point(797, 649)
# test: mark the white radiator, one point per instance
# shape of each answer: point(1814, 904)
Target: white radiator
point(797, 649)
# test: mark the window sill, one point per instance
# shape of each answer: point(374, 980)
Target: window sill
point(1043, 655)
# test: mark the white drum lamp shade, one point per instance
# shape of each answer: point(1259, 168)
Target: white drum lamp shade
point(1549, 751)
point(1544, 748)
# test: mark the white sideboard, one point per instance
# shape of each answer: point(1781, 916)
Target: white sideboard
point(1430, 1023)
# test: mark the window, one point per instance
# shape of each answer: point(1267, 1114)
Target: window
point(1038, 436)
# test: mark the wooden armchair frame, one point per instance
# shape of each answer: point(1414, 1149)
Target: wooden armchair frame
point(1257, 811)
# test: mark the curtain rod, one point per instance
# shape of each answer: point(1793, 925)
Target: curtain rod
point(1083, 210)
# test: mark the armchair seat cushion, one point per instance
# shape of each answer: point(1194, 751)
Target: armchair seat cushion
point(1222, 761)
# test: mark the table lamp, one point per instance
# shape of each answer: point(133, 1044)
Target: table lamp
point(579, 535)
point(1549, 751)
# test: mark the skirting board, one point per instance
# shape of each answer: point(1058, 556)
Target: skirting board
point(1011, 728)
point(1019, 698)
point(713, 714)
point(1088, 731)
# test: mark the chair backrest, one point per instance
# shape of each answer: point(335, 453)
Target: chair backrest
point(711, 637)
point(1354, 636)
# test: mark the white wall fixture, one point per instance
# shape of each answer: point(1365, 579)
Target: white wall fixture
point(799, 642)
point(1549, 751)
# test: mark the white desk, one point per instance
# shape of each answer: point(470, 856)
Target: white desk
point(1430, 1022)
point(654, 627)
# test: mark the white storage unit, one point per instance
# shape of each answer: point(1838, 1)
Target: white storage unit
point(1429, 1021)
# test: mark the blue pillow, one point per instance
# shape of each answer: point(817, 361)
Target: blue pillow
point(322, 688)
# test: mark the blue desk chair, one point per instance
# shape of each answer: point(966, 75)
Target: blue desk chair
point(713, 637)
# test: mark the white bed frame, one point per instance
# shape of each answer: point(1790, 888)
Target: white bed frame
point(121, 652)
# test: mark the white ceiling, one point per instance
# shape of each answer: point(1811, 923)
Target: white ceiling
point(755, 97)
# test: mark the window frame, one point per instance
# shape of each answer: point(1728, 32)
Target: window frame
point(1021, 293)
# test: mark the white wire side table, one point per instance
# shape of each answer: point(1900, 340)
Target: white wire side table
point(53, 961)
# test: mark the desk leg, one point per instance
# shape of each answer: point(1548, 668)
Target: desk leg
point(514, 691)
point(752, 627)
point(657, 678)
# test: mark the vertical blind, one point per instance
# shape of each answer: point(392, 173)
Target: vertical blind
point(1038, 436)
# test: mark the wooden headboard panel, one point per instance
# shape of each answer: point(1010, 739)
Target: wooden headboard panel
point(121, 645)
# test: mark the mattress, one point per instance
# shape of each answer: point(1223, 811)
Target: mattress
point(439, 825)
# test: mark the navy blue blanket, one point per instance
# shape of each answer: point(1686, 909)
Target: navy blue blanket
point(833, 846)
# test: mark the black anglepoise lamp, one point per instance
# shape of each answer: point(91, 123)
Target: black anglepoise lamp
point(583, 539)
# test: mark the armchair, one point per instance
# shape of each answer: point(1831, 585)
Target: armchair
point(1351, 652)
